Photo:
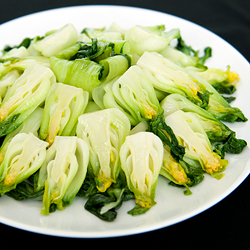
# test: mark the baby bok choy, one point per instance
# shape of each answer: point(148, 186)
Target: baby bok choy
point(31, 124)
point(198, 149)
point(63, 172)
point(104, 131)
point(24, 96)
point(223, 81)
point(132, 93)
point(62, 107)
point(215, 129)
point(169, 77)
point(174, 171)
point(149, 38)
point(24, 156)
point(141, 159)
point(224, 138)
point(7, 81)
point(218, 106)
point(87, 65)
point(59, 40)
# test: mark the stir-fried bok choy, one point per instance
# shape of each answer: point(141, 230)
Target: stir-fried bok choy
point(100, 115)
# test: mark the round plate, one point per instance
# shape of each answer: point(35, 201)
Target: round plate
point(172, 205)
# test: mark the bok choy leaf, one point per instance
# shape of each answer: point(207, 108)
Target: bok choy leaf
point(104, 131)
point(57, 41)
point(198, 148)
point(141, 159)
point(24, 96)
point(31, 124)
point(24, 156)
point(63, 172)
point(63, 105)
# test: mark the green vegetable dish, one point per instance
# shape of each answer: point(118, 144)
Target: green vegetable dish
point(103, 113)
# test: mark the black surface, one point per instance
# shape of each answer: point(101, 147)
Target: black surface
point(225, 224)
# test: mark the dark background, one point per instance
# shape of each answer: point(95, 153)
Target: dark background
point(228, 222)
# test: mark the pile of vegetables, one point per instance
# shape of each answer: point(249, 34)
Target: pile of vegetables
point(103, 113)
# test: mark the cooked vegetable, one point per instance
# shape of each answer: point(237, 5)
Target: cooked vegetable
point(179, 57)
point(231, 145)
point(198, 148)
point(62, 107)
point(102, 113)
point(24, 96)
point(172, 170)
point(132, 93)
point(223, 81)
point(81, 73)
point(31, 124)
point(215, 129)
point(141, 159)
point(160, 128)
point(25, 44)
point(61, 39)
point(63, 172)
point(153, 38)
point(104, 204)
point(104, 131)
point(188, 50)
point(87, 65)
point(169, 77)
point(7, 81)
point(21, 64)
point(14, 53)
point(218, 106)
point(24, 156)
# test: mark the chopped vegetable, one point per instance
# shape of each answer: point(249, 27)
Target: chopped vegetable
point(154, 38)
point(104, 131)
point(57, 41)
point(197, 145)
point(31, 124)
point(24, 96)
point(24, 156)
point(169, 77)
point(141, 159)
point(63, 172)
point(104, 113)
point(63, 105)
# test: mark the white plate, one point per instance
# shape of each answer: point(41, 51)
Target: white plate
point(172, 205)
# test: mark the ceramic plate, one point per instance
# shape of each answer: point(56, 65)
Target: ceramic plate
point(172, 205)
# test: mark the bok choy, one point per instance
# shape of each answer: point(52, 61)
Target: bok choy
point(24, 156)
point(104, 131)
point(141, 159)
point(103, 114)
point(24, 96)
point(63, 172)
point(63, 105)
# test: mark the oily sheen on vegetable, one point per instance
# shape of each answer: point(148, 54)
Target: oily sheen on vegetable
point(101, 114)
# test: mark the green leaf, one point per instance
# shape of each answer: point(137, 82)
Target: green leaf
point(166, 134)
point(25, 43)
point(137, 210)
point(232, 145)
point(224, 87)
point(207, 54)
point(188, 50)
point(95, 204)
point(94, 50)
point(9, 125)
point(81, 73)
